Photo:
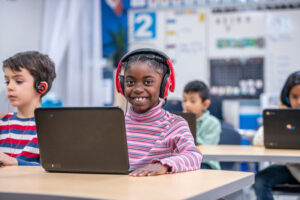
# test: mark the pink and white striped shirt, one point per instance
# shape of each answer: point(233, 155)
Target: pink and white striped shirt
point(159, 136)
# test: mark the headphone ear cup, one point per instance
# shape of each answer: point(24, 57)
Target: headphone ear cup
point(122, 84)
point(41, 88)
point(118, 81)
point(287, 101)
point(284, 96)
point(164, 86)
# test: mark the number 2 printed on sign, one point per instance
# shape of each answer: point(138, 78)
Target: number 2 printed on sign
point(144, 25)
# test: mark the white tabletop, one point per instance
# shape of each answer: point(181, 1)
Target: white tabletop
point(202, 184)
point(242, 153)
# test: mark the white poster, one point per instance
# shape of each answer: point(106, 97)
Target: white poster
point(283, 39)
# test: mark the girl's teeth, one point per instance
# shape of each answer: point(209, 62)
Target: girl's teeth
point(139, 99)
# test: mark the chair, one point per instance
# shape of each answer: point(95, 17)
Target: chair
point(215, 107)
point(287, 190)
point(173, 106)
point(229, 136)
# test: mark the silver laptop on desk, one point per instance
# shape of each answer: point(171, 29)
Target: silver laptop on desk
point(282, 128)
point(86, 140)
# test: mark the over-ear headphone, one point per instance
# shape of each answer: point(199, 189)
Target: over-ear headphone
point(291, 81)
point(41, 87)
point(168, 81)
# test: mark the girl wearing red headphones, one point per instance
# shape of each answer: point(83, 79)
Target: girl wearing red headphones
point(28, 77)
point(158, 142)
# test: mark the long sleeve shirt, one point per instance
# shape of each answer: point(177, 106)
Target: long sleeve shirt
point(208, 129)
point(18, 139)
point(159, 136)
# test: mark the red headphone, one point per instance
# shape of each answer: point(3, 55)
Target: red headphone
point(41, 87)
point(168, 81)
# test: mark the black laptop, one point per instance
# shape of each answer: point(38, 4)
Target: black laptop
point(85, 140)
point(191, 120)
point(282, 128)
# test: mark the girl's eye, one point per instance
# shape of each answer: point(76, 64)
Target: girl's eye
point(6, 82)
point(293, 96)
point(129, 82)
point(148, 82)
point(19, 82)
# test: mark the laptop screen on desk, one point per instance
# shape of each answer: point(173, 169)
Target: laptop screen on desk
point(282, 128)
point(88, 140)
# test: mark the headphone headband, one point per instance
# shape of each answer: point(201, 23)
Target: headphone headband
point(144, 51)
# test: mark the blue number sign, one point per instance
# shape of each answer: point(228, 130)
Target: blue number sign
point(144, 25)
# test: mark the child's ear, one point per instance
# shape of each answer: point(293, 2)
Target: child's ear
point(206, 104)
point(42, 87)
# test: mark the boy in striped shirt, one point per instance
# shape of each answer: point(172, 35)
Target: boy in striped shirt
point(158, 142)
point(28, 76)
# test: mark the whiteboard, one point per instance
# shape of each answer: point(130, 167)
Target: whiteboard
point(283, 43)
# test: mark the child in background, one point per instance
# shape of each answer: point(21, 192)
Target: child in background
point(279, 174)
point(196, 100)
point(28, 77)
point(158, 142)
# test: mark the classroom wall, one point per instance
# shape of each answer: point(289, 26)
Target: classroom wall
point(269, 39)
point(189, 36)
point(19, 32)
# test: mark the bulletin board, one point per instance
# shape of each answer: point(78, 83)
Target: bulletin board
point(237, 34)
point(236, 53)
point(180, 33)
point(271, 35)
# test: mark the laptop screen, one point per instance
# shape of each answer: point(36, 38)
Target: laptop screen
point(282, 128)
point(91, 140)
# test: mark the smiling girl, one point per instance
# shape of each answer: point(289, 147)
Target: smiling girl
point(158, 142)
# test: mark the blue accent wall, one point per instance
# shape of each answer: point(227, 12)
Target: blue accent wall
point(110, 22)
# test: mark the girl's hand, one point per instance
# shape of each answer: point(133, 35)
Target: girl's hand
point(150, 170)
point(7, 160)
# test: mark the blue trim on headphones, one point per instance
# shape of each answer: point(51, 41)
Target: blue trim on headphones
point(286, 98)
point(287, 101)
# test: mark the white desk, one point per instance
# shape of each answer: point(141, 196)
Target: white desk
point(200, 184)
point(241, 153)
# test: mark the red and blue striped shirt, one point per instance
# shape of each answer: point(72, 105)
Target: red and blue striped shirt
point(159, 136)
point(18, 139)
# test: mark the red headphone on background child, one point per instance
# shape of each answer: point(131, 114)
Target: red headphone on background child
point(41, 87)
point(168, 81)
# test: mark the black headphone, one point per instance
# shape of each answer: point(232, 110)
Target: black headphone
point(168, 81)
point(292, 80)
point(40, 87)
